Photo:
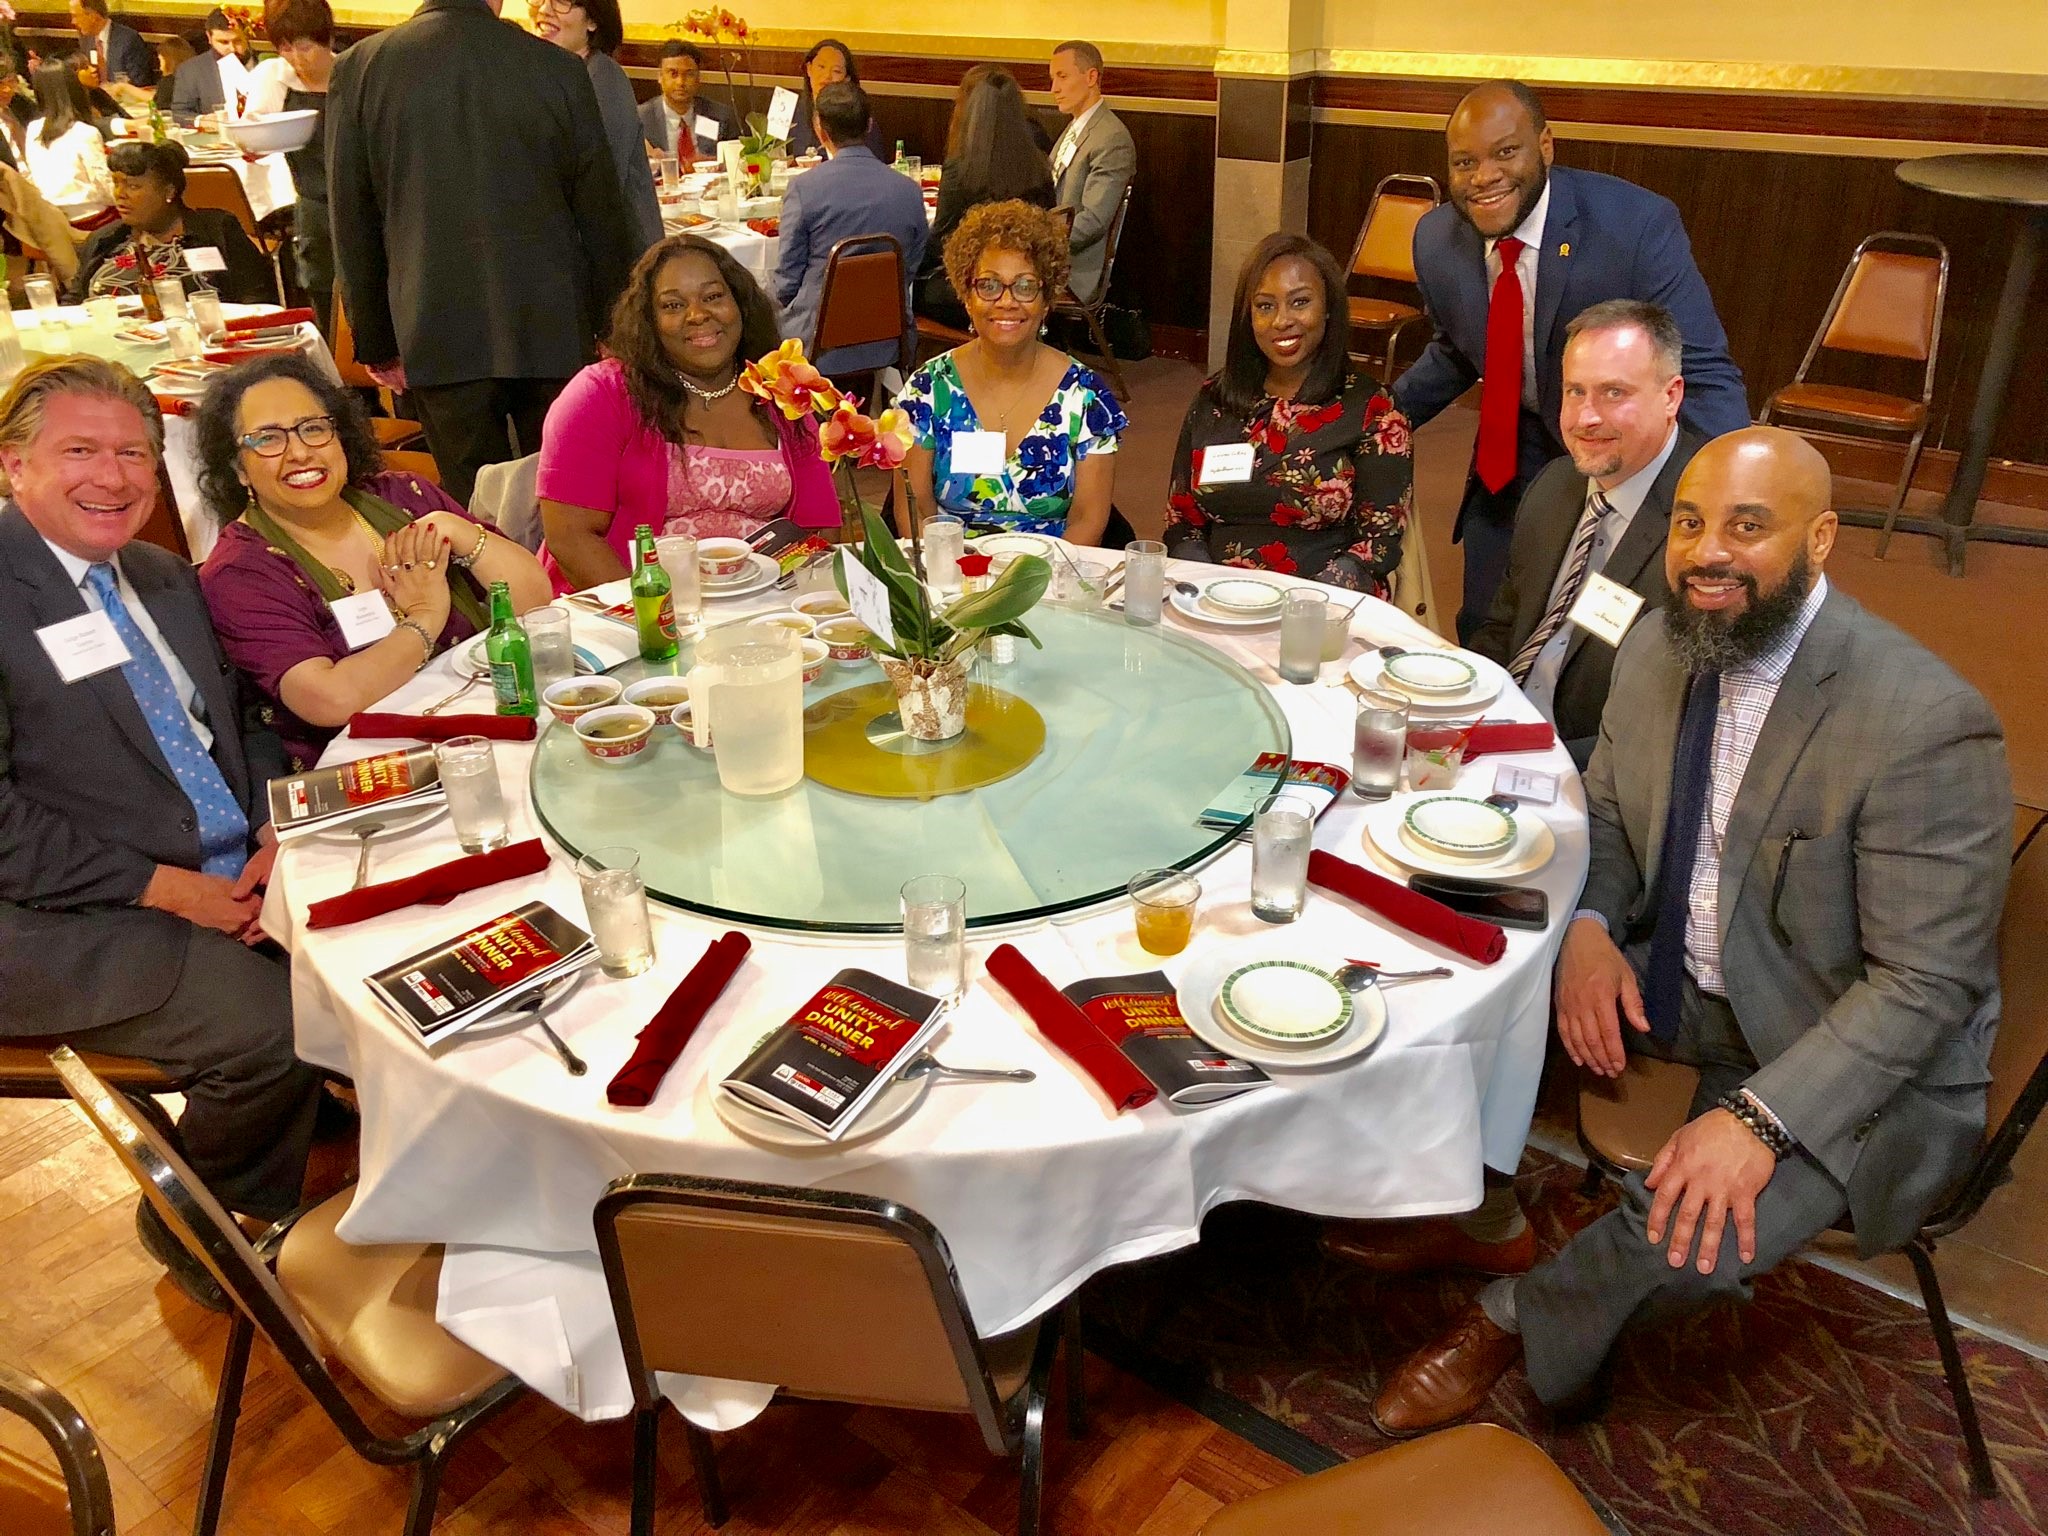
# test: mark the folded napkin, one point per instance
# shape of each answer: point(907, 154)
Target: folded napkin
point(1068, 1028)
point(370, 726)
point(265, 321)
point(662, 1041)
point(1423, 916)
point(430, 887)
point(1509, 736)
point(173, 405)
point(238, 354)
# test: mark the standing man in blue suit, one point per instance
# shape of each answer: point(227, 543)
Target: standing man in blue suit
point(1576, 238)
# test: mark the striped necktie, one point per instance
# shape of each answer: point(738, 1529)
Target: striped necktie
point(1576, 562)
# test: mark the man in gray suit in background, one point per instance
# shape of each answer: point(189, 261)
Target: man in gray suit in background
point(1092, 162)
point(1800, 835)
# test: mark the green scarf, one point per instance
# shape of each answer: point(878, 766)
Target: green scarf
point(464, 593)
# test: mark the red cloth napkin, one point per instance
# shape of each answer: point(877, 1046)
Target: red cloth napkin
point(274, 317)
point(372, 726)
point(662, 1041)
point(173, 405)
point(238, 354)
point(434, 887)
point(1423, 916)
point(1068, 1028)
point(1509, 736)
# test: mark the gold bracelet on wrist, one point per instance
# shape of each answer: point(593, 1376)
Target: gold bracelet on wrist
point(483, 537)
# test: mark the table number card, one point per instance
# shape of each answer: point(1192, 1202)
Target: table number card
point(705, 128)
point(781, 113)
point(1605, 608)
point(205, 258)
point(868, 599)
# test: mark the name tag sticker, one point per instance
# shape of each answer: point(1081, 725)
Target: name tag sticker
point(83, 647)
point(364, 618)
point(1226, 464)
point(205, 258)
point(1605, 608)
point(781, 112)
point(706, 128)
point(868, 599)
point(1526, 785)
point(979, 453)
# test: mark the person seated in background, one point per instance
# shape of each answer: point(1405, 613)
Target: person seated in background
point(1601, 513)
point(311, 524)
point(157, 235)
point(116, 49)
point(593, 30)
point(659, 432)
point(991, 157)
point(677, 121)
point(829, 62)
point(1010, 432)
point(1092, 162)
point(302, 31)
point(1319, 477)
point(67, 157)
point(103, 109)
point(853, 193)
point(16, 113)
point(215, 79)
point(135, 834)
point(1800, 842)
point(172, 51)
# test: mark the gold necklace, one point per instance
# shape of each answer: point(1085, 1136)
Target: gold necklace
point(1003, 416)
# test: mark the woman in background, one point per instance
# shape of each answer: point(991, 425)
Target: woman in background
point(991, 157)
point(67, 158)
point(593, 30)
point(827, 63)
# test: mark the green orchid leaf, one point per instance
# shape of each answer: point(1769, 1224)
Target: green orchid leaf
point(1013, 594)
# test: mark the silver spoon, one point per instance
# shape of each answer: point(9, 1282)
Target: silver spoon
point(365, 831)
point(440, 704)
point(1389, 652)
point(547, 997)
point(1353, 977)
point(928, 1066)
point(1187, 589)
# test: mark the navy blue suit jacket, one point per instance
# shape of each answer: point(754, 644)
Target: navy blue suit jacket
point(1624, 242)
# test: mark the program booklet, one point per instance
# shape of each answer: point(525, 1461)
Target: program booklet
point(1139, 1016)
point(1271, 771)
point(333, 797)
point(790, 545)
point(837, 1053)
point(483, 971)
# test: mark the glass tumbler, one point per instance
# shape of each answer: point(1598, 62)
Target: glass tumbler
point(1283, 828)
point(945, 541)
point(476, 803)
point(1379, 737)
point(615, 901)
point(1163, 907)
point(935, 934)
point(678, 555)
point(1436, 752)
point(206, 314)
point(1301, 634)
point(1144, 581)
point(170, 293)
point(549, 635)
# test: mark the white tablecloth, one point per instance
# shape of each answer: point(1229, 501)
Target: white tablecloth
point(489, 1147)
point(756, 252)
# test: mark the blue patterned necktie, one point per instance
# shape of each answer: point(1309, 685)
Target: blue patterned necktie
point(223, 829)
point(1691, 774)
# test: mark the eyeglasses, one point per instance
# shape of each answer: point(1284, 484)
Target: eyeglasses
point(270, 442)
point(1025, 290)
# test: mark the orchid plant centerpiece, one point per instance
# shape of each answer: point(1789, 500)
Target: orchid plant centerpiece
point(932, 647)
point(729, 38)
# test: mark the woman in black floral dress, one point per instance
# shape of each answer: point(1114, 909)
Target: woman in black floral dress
point(1325, 486)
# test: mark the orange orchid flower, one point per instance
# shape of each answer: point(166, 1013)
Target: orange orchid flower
point(787, 381)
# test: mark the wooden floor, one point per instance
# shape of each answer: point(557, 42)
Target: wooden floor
point(84, 1308)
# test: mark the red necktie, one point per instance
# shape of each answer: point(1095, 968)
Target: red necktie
point(686, 144)
point(1500, 392)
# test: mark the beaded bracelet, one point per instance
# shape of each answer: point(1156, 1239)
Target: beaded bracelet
point(483, 537)
point(1745, 1107)
point(426, 640)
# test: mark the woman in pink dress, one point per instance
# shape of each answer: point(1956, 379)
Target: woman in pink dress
point(659, 431)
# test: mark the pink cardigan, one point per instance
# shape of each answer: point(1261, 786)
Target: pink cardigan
point(596, 451)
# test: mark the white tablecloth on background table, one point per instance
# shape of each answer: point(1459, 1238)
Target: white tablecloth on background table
point(758, 253)
point(488, 1146)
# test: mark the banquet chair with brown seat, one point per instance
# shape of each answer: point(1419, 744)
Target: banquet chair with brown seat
point(391, 430)
point(1622, 1124)
point(315, 1298)
point(1089, 313)
point(862, 302)
point(755, 1261)
point(217, 186)
point(1385, 252)
point(1456, 1482)
point(74, 1501)
point(1888, 304)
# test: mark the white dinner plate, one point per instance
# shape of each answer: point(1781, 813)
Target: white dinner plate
point(897, 1103)
point(1366, 670)
point(993, 544)
point(1202, 977)
point(1535, 844)
point(761, 572)
point(1194, 608)
point(1459, 827)
point(407, 818)
point(471, 661)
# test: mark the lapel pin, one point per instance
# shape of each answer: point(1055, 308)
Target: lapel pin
point(1565, 249)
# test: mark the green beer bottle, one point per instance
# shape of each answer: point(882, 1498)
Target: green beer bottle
point(654, 603)
point(511, 657)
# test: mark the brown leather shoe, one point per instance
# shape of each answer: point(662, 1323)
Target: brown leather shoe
point(1445, 1382)
point(1429, 1242)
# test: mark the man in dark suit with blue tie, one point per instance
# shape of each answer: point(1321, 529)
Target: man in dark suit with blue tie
point(1575, 238)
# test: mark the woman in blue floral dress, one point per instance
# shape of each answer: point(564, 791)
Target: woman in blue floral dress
point(1012, 433)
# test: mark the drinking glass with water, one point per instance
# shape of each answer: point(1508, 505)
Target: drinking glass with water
point(476, 803)
point(1144, 581)
point(549, 638)
point(935, 934)
point(615, 901)
point(1283, 828)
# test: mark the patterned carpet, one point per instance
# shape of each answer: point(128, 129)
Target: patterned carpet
point(1819, 1408)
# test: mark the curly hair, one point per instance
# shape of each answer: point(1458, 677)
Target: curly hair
point(652, 383)
point(217, 427)
point(1033, 233)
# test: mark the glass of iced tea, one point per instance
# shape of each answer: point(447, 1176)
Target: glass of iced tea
point(1163, 901)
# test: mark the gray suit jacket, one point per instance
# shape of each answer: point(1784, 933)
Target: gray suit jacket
point(1093, 184)
point(197, 88)
point(1544, 525)
point(1861, 883)
point(654, 124)
point(88, 805)
point(853, 193)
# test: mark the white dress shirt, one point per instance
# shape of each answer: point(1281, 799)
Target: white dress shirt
point(267, 83)
point(234, 76)
point(1623, 501)
point(72, 173)
point(1070, 141)
point(181, 680)
point(1746, 697)
point(1530, 233)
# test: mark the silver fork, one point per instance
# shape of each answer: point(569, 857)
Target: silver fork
point(440, 704)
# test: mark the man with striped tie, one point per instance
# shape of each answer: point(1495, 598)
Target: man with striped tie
point(1596, 517)
point(134, 836)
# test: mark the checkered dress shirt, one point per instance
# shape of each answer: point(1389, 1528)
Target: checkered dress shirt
point(1746, 697)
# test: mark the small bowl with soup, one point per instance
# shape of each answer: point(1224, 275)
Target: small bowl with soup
point(679, 717)
point(847, 639)
point(816, 654)
point(722, 559)
point(801, 625)
point(615, 733)
point(574, 697)
point(820, 606)
point(658, 694)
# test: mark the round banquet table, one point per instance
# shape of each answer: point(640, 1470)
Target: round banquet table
point(487, 1146)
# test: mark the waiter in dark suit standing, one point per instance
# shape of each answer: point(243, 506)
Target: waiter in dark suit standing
point(480, 232)
point(134, 839)
point(1571, 239)
point(1589, 536)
